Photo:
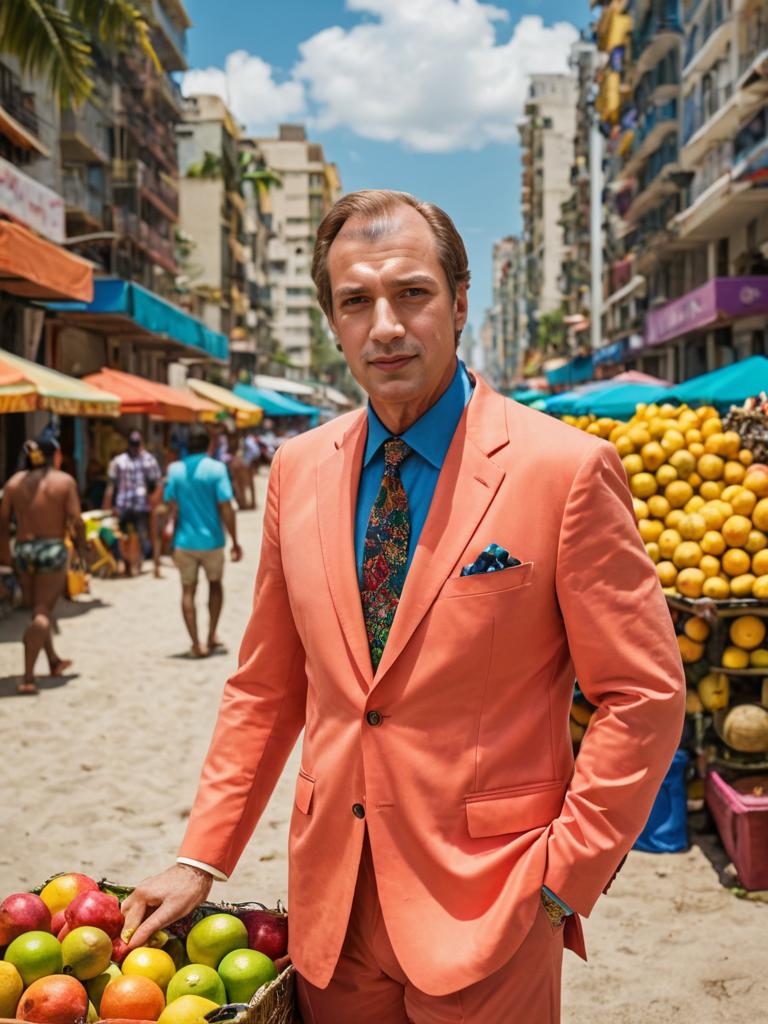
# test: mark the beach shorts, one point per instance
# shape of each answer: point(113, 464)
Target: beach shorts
point(188, 563)
point(41, 555)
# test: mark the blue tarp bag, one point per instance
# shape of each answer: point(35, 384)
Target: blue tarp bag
point(667, 828)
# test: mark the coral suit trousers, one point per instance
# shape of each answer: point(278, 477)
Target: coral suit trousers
point(369, 984)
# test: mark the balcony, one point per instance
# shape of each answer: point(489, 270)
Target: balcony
point(755, 52)
point(159, 248)
point(656, 124)
point(170, 39)
point(659, 33)
point(84, 135)
point(159, 189)
point(708, 38)
point(82, 200)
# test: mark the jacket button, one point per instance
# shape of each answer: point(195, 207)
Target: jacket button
point(358, 810)
point(374, 718)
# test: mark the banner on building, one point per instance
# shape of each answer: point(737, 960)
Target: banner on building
point(30, 203)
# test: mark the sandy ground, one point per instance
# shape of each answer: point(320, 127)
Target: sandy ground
point(97, 774)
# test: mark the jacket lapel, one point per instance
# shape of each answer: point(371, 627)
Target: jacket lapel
point(466, 487)
point(338, 478)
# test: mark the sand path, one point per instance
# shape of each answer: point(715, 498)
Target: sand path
point(98, 774)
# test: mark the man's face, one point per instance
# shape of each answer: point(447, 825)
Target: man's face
point(393, 314)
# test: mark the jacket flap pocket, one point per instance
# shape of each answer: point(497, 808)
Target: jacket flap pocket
point(517, 809)
point(488, 582)
point(305, 785)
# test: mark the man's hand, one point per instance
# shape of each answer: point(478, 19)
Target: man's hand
point(237, 553)
point(166, 897)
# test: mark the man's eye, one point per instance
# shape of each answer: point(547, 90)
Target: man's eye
point(414, 292)
point(354, 300)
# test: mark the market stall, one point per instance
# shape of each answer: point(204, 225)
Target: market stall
point(26, 386)
point(152, 398)
point(245, 413)
point(276, 404)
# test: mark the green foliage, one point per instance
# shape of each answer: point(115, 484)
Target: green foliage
point(211, 166)
point(551, 331)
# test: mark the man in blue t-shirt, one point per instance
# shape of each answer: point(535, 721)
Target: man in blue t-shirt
point(199, 493)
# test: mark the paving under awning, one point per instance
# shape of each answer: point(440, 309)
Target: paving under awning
point(150, 397)
point(34, 268)
point(127, 309)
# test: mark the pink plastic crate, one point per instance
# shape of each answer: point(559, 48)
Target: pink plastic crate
point(742, 821)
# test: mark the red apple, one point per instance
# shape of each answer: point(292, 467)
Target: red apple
point(22, 912)
point(58, 921)
point(120, 950)
point(267, 932)
point(99, 909)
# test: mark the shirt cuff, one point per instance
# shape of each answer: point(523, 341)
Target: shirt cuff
point(564, 906)
point(218, 875)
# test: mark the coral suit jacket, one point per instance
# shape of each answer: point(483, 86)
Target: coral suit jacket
point(472, 799)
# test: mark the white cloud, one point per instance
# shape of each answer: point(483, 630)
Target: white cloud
point(428, 74)
point(247, 85)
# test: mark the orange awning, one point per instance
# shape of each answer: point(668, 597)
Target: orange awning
point(150, 397)
point(36, 269)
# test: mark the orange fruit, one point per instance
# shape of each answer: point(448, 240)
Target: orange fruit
point(678, 493)
point(760, 514)
point(95, 986)
point(658, 506)
point(35, 955)
point(687, 555)
point(668, 541)
point(756, 541)
point(55, 999)
point(696, 629)
point(642, 485)
point(689, 583)
point(716, 588)
point(710, 565)
point(736, 562)
point(736, 530)
point(734, 472)
point(710, 467)
point(747, 632)
point(746, 458)
point(132, 998)
point(146, 962)
point(744, 502)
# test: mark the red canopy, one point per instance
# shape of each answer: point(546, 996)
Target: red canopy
point(635, 377)
point(138, 395)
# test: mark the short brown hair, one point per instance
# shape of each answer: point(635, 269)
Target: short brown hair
point(376, 204)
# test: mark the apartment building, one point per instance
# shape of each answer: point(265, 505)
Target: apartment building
point(506, 342)
point(547, 136)
point(309, 187)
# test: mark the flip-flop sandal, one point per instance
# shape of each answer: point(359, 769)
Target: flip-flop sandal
point(27, 689)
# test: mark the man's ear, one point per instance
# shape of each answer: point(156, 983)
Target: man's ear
point(335, 333)
point(460, 307)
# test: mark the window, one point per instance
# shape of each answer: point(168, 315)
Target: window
point(721, 258)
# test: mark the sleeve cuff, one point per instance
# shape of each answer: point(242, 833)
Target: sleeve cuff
point(218, 875)
point(564, 906)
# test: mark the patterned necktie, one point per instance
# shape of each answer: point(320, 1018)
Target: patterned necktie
point(385, 554)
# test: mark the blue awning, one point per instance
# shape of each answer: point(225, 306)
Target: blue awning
point(276, 404)
point(123, 307)
point(614, 353)
point(574, 372)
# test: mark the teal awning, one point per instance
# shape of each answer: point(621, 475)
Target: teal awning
point(528, 397)
point(123, 307)
point(276, 404)
point(730, 385)
point(576, 371)
point(619, 403)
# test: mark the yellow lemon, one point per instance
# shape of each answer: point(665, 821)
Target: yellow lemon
point(758, 658)
point(643, 485)
point(760, 514)
point(736, 530)
point(709, 489)
point(665, 475)
point(672, 442)
point(747, 632)
point(697, 629)
point(11, 987)
point(746, 458)
point(672, 519)
point(760, 562)
point(692, 436)
point(658, 506)
point(653, 455)
point(731, 443)
point(623, 445)
point(710, 467)
point(187, 1010)
point(760, 588)
point(734, 472)
point(716, 588)
point(693, 527)
point(689, 582)
point(734, 657)
point(690, 651)
point(713, 689)
point(730, 492)
point(678, 493)
point(695, 481)
point(687, 555)
point(757, 481)
point(641, 509)
point(714, 444)
point(736, 562)
point(650, 530)
point(632, 464)
point(657, 428)
point(712, 543)
point(683, 462)
point(725, 507)
point(593, 429)
point(155, 964)
point(667, 573)
point(755, 542)
point(694, 504)
point(639, 436)
point(743, 503)
point(711, 426)
point(741, 586)
point(668, 541)
point(709, 565)
point(713, 515)
point(696, 449)
point(687, 420)
point(653, 551)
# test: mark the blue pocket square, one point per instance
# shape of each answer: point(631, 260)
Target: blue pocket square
point(493, 559)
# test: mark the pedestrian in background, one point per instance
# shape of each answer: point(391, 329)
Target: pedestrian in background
point(133, 476)
point(46, 506)
point(199, 496)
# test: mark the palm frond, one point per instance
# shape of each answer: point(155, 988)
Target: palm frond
point(46, 42)
point(116, 21)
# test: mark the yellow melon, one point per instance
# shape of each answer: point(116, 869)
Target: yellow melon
point(746, 728)
point(758, 658)
point(760, 587)
point(734, 657)
point(760, 562)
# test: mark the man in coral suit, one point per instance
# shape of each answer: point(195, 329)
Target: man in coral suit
point(435, 571)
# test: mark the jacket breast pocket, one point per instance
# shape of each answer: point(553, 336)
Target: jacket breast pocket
point(489, 582)
point(497, 812)
point(305, 786)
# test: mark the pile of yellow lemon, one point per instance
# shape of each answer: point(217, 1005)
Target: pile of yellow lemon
point(701, 505)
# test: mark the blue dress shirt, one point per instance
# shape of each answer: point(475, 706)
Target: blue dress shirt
point(430, 438)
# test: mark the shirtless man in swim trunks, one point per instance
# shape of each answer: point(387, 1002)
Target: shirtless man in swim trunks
point(45, 503)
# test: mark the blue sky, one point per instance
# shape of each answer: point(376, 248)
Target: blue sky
point(419, 95)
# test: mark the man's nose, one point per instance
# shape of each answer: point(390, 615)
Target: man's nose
point(385, 326)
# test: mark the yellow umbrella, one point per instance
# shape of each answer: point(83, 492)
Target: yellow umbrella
point(246, 413)
point(25, 386)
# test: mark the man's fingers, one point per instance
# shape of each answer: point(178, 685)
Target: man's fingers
point(134, 908)
point(157, 919)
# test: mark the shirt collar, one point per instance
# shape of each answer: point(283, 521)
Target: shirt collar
point(431, 435)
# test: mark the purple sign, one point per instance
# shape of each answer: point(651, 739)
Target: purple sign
point(722, 298)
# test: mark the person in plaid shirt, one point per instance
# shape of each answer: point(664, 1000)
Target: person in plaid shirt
point(133, 476)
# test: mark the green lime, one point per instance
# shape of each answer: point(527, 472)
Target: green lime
point(35, 955)
point(213, 937)
point(96, 986)
point(243, 972)
point(196, 980)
